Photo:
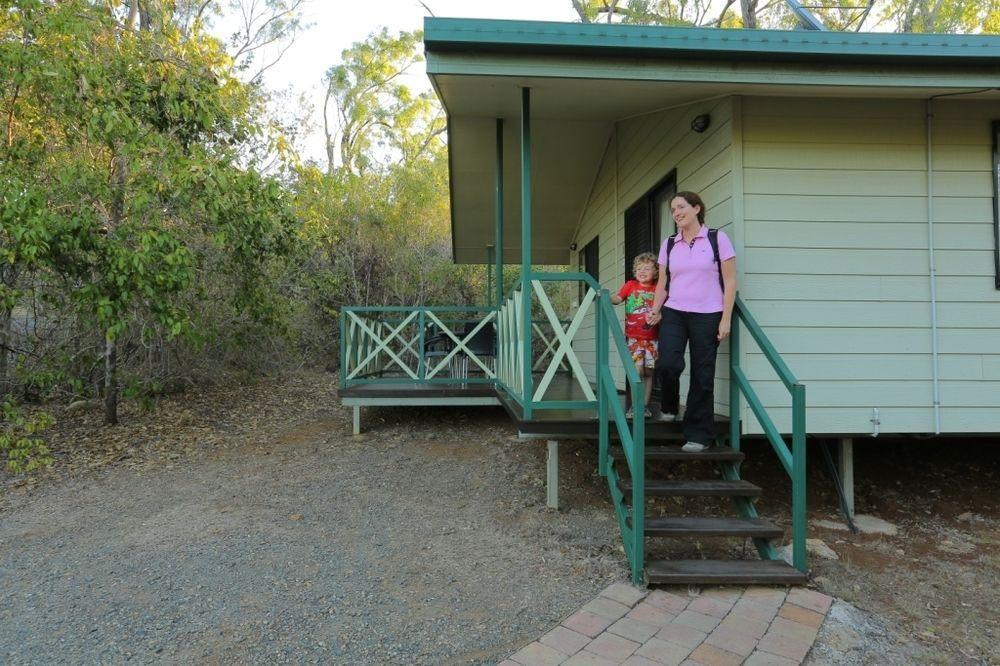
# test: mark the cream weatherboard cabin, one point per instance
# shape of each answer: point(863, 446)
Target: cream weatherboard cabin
point(857, 175)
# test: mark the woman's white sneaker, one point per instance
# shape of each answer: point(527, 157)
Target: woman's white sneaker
point(693, 447)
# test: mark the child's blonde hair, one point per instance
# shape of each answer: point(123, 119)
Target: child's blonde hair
point(644, 258)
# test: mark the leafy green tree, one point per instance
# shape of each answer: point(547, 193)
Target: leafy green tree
point(370, 114)
point(130, 139)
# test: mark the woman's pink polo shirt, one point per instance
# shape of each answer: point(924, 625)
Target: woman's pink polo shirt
point(694, 277)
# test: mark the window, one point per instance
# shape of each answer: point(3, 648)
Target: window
point(590, 262)
point(647, 221)
point(996, 202)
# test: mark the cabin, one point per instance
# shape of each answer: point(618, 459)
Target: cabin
point(857, 175)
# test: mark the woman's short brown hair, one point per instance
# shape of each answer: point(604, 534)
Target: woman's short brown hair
point(693, 200)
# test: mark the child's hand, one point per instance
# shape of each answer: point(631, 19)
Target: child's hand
point(652, 318)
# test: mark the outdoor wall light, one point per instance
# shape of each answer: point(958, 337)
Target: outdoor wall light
point(572, 247)
point(701, 123)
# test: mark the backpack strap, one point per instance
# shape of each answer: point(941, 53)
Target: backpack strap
point(670, 246)
point(713, 239)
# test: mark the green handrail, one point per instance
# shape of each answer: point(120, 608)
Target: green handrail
point(630, 522)
point(793, 461)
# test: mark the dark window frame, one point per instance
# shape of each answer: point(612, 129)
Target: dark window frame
point(643, 211)
point(996, 203)
point(590, 262)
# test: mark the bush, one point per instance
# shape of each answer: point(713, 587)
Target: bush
point(23, 450)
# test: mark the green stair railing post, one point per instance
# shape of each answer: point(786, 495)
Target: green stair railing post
point(799, 477)
point(734, 387)
point(602, 398)
point(638, 483)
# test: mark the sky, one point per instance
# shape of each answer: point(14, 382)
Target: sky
point(336, 24)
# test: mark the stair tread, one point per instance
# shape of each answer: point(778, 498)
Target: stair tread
point(676, 452)
point(723, 571)
point(712, 526)
point(717, 488)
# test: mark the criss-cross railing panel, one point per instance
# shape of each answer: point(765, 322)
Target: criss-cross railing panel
point(419, 344)
point(565, 338)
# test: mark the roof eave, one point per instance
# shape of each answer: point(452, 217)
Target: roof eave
point(541, 37)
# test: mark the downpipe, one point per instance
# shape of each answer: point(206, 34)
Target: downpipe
point(935, 352)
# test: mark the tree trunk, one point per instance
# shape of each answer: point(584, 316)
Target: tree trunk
point(110, 382)
point(5, 336)
point(748, 8)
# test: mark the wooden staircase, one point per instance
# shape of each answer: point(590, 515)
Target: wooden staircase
point(746, 524)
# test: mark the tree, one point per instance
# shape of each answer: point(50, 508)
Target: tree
point(369, 114)
point(954, 16)
point(137, 135)
point(377, 215)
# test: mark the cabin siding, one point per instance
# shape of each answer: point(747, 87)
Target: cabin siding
point(641, 152)
point(836, 263)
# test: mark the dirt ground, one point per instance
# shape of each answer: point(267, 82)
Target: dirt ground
point(203, 468)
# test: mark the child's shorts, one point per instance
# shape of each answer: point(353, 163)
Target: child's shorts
point(643, 352)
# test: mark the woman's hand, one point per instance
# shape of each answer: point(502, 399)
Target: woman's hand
point(653, 318)
point(724, 327)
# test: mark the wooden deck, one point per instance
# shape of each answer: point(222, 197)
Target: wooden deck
point(544, 423)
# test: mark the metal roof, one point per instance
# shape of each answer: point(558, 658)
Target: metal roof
point(543, 37)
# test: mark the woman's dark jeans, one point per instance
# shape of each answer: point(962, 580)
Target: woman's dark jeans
point(677, 329)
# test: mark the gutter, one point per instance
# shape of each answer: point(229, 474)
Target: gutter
point(477, 36)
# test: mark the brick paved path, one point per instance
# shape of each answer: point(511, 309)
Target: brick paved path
point(720, 626)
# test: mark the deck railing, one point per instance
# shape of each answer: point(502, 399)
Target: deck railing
point(793, 461)
point(385, 344)
point(545, 354)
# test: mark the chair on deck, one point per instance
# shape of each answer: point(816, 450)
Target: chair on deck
point(483, 345)
point(436, 343)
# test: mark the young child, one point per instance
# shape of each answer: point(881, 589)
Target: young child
point(638, 295)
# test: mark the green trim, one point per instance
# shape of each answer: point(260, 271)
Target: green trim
point(574, 39)
point(564, 404)
point(498, 246)
point(420, 402)
point(526, 248)
point(382, 378)
point(734, 390)
point(428, 308)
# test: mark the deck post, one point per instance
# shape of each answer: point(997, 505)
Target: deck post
point(357, 420)
point(526, 392)
point(846, 464)
point(552, 475)
point(498, 244)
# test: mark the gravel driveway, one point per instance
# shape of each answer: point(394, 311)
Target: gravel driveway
point(424, 541)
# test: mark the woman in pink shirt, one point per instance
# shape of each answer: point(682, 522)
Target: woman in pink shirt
point(696, 293)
